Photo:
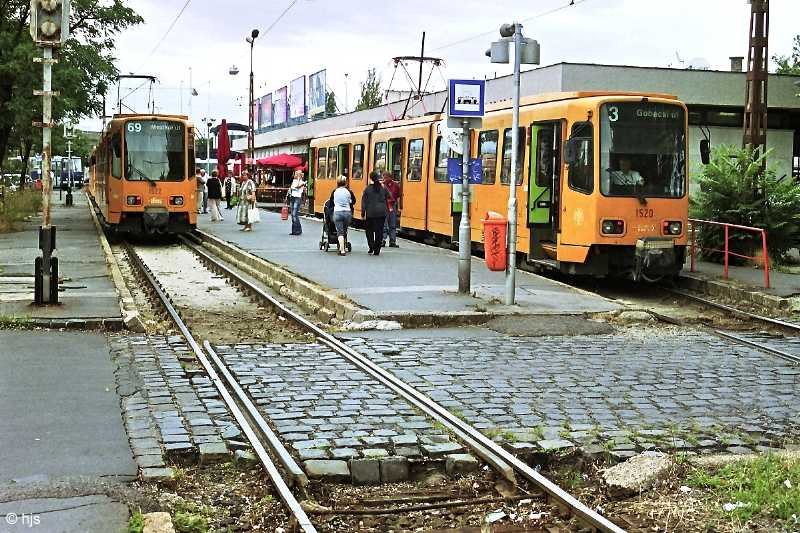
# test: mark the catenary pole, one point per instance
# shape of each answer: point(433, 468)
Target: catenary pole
point(511, 269)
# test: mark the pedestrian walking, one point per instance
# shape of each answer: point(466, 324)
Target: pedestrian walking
point(200, 176)
point(296, 192)
point(344, 202)
point(392, 210)
point(373, 211)
point(247, 211)
point(214, 187)
point(230, 191)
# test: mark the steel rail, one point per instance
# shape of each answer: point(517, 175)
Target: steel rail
point(732, 337)
point(489, 450)
point(283, 489)
point(737, 312)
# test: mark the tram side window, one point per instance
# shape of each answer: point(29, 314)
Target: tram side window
point(581, 173)
point(322, 163)
point(116, 155)
point(358, 161)
point(415, 151)
point(487, 149)
point(379, 161)
point(333, 168)
point(548, 164)
point(505, 171)
point(442, 153)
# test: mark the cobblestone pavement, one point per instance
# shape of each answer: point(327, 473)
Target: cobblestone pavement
point(171, 410)
point(326, 408)
point(789, 344)
point(652, 388)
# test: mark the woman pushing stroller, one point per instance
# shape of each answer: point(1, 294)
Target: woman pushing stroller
point(343, 201)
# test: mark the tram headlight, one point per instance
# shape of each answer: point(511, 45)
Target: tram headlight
point(613, 227)
point(672, 227)
point(176, 200)
point(133, 200)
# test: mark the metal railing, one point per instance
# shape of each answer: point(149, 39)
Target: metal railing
point(726, 251)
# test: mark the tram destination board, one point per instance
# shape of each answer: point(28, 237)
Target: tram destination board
point(643, 113)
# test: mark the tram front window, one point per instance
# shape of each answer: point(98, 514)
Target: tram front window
point(154, 151)
point(642, 150)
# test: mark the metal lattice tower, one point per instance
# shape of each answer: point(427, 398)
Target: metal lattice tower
point(755, 107)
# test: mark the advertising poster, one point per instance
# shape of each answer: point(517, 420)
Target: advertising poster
point(279, 103)
point(254, 112)
point(297, 97)
point(316, 93)
point(265, 114)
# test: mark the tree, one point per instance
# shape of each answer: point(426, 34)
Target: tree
point(330, 103)
point(371, 94)
point(789, 64)
point(735, 188)
point(86, 65)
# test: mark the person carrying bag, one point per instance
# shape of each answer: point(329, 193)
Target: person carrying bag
point(247, 211)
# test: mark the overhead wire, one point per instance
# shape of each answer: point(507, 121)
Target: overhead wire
point(527, 19)
point(166, 33)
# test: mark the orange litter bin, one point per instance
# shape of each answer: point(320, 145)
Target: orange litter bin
point(495, 228)
point(285, 212)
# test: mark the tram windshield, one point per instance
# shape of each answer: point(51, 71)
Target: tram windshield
point(154, 151)
point(642, 150)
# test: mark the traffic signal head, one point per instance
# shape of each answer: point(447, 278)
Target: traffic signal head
point(50, 21)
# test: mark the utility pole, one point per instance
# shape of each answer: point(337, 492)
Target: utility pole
point(251, 126)
point(49, 28)
point(755, 106)
point(525, 51)
point(69, 135)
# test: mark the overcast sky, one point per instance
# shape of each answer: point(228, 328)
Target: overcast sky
point(350, 36)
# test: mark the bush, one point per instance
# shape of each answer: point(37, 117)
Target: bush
point(734, 189)
point(16, 206)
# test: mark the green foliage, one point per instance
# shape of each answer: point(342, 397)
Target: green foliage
point(371, 95)
point(789, 64)
point(330, 103)
point(735, 189)
point(766, 487)
point(16, 206)
point(190, 523)
point(136, 523)
point(85, 68)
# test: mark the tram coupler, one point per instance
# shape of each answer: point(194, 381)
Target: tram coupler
point(46, 269)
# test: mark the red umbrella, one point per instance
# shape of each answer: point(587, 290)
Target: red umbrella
point(281, 160)
point(223, 149)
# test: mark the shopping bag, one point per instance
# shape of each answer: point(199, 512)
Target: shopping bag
point(253, 215)
point(285, 212)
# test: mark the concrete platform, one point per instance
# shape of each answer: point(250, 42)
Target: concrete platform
point(413, 279)
point(66, 456)
point(86, 292)
point(745, 284)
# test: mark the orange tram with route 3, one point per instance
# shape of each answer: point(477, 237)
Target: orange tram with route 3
point(601, 188)
point(142, 175)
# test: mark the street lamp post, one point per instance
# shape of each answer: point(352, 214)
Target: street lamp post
point(525, 51)
point(209, 121)
point(251, 126)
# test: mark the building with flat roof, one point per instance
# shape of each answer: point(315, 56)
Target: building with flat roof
point(715, 100)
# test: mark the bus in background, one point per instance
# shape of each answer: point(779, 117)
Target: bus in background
point(61, 172)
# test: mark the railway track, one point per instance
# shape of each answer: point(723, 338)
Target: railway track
point(268, 446)
point(757, 341)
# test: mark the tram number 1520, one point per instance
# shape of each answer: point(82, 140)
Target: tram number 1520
point(644, 213)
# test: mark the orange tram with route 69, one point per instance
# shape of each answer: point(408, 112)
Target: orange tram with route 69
point(601, 188)
point(142, 175)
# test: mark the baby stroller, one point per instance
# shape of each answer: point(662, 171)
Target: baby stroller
point(329, 237)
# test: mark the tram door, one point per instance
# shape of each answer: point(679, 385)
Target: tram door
point(344, 160)
point(395, 163)
point(544, 186)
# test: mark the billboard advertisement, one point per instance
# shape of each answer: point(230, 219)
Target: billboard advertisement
point(265, 113)
point(297, 97)
point(316, 93)
point(254, 112)
point(279, 103)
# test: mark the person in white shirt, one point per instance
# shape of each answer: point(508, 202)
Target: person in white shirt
point(202, 195)
point(296, 191)
point(626, 175)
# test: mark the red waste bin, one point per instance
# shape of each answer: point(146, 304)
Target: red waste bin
point(495, 227)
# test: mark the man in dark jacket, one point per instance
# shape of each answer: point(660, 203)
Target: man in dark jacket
point(373, 211)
